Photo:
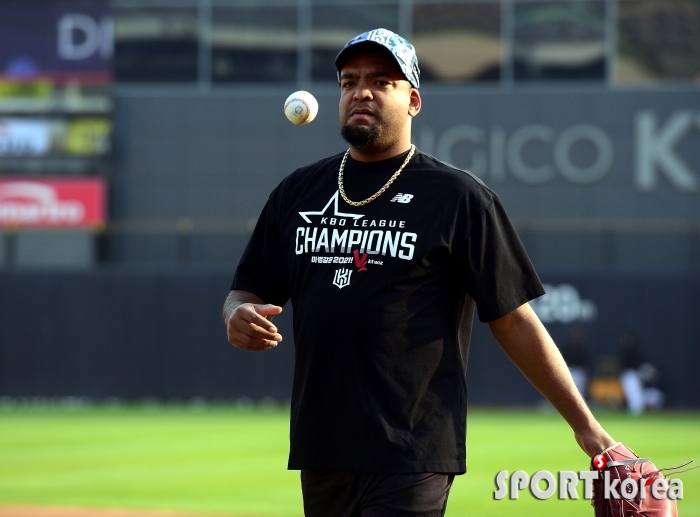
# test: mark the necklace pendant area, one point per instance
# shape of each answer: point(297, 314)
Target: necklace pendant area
point(381, 190)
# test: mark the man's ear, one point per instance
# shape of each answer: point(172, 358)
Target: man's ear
point(415, 103)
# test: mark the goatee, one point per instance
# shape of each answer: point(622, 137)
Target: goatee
point(361, 136)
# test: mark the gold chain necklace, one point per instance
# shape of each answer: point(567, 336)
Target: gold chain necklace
point(381, 190)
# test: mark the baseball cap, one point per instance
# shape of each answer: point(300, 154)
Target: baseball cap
point(402, 51)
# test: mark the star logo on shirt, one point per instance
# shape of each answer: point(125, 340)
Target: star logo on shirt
point(332, 201)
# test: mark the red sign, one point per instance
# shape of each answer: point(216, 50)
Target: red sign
point(38, 202)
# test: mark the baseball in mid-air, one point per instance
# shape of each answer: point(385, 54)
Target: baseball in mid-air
point(301, 107)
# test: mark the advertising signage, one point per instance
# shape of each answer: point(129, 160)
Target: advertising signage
point(65, 41)
point(46, 203)
point(32, 137)
point(24, 137)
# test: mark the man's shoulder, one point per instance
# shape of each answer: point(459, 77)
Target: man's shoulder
point(455, 179)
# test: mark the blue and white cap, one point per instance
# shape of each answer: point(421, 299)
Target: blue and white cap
point(402, 50)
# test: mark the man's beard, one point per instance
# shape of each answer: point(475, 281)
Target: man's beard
point(361, 137)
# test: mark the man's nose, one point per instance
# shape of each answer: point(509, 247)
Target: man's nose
point(362, 93)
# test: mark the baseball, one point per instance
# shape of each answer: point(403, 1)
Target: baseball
point(301, 107)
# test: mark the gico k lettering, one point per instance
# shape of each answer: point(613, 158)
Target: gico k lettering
point(372, 242)
point(660, 151)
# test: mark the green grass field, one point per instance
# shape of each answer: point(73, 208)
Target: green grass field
point(223, 459)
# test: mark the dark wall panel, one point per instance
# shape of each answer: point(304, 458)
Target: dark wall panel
point(129, 335)
point(137, 335)
point(661, 310)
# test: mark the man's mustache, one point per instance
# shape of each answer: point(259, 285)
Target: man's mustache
point(362, 109)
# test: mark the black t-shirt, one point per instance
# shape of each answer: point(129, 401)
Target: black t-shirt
point(383, 299)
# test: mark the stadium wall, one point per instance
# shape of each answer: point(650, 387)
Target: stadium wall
point(575, 153)
point(604, 187)
point(138, 334)
point(593, 177)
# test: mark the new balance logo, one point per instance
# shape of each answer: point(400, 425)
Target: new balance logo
point(402, 198)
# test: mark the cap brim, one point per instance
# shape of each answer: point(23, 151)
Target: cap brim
point(363, 47)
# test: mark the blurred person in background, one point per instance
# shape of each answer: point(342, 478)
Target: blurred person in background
point(638, 377)
point(631, 358)
point(654, 397)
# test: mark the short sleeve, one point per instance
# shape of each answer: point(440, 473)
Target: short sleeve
point(500, 277)
point(260, 270)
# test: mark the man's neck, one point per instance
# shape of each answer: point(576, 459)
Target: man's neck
point(373, 155)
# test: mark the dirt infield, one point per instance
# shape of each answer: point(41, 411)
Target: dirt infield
point(57, 511)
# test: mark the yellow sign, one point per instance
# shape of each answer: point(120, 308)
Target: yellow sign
point(10, 88)
point(89, 136)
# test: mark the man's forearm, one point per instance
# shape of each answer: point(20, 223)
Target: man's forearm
point(528, 344)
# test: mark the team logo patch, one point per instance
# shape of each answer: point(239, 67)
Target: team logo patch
point(342, 277)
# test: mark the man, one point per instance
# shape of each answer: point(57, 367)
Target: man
point(384, 291)
point(631, 359)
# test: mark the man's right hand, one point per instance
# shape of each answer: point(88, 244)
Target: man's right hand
point(247, 326)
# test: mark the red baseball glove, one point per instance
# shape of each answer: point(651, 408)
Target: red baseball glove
point(624, 500)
